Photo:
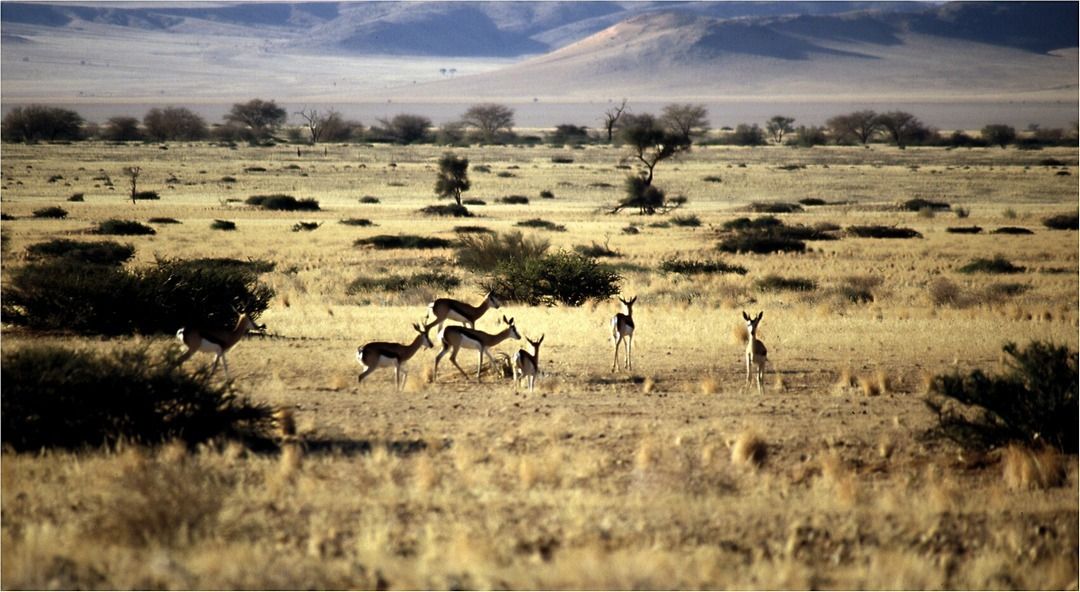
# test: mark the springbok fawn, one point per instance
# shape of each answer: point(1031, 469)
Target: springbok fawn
point(528, 365)
point(215, 341)
point(455, 310)
point(622, 328)
point(380, 354)
point(756, 353)
point(454, 338)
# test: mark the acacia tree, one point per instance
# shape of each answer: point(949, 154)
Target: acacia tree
point(453, 177)
point(318, 123)
point(174, 123)
point(683, 119)
point(649, 142)
point(862, 125)
point(999, 133)
point(489, 119)
point(611, 119)
point(406, 128)
point(261, 117)
point(902, 127)
point(122, 129)
point(778, 125)
point(34, 123)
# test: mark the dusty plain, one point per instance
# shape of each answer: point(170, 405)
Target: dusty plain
point(598, 479)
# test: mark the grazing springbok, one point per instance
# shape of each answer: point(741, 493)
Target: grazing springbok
point(456, 310)
point(755, 350)
point(622, 328)
point(454, 338)
point(528, 365)
point(380, 354)
point(215, 341)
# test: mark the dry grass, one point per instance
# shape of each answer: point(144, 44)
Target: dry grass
point(1024, 468)
point(749, 449)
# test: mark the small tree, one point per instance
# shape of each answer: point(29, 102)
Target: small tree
point(319, 123)
point(860, 125)
point(808, 136)
point(132, 173)
point(611, 119)
point(649, 142)
point(778, 125)
point(122, 129)
point(489, 119)
point(748, 135)
point(686, 119)
point(174, 123)
point(567, 133)
point(406, 128)
point(902, 127)
point(453, 177)
point(261, 117)
point(35, 123)
point(999, 134)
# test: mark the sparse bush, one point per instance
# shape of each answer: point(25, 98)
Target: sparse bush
point(305, 226)
point(482, 168)
point(474, 202)
point(505, 174)
point(712, 179)
point(1033, 402)
point(1011, 230)
point(96, 252)
point(944, 292)
point(541, 224)
point(759, 223)
point(123, 227)
point(399, 283)
point(55, 212)
point(54, 397)
point(146, 195)
point(77, 197)
point(812, 201)
point(562, 160)
point(547, 194)
point(163, 220)
point(223, 225)
point(513, 200)
point(695, 267)
point(919, 204)
point(774, 208)
point(761, 243)
point(449, 210)
point(403, 241)
point(1062, 222)
point(282, 202)
point(961, 212)
point(686, 221)
point(964, 229)
point(473, 230)
point(775, 283)
point(356, 222)
point(484, 252)
point(369, 199)
point(881, 232)
point(858, 289)
point(563, 277)
point(998, 264)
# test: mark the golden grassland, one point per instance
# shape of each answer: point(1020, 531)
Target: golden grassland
point(673, 476)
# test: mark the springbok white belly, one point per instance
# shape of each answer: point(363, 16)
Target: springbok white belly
point(203, 345)
point(453, 315)
point(380, 362)
point(469, 343)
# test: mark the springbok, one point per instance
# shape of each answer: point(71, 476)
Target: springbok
point(756, 353)
point(456, 310)
point(526, 364)
point(215, 341)
point(380, 354)
point(454, 338)
point(622, 327)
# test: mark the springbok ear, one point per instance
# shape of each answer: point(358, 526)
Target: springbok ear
point(541, 340)
point(632, 300)
point(759, 315)
point(505, 321)
point(745, 316)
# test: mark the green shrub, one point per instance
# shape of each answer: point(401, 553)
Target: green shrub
point(403, 241)
point(452, 210)
point(513, 200)
point(1034, 401)
point(62, 295)
point(881, 232)
point(775, 207)
point(223, 225)
point(1062, 222)
point(964, 229)
point(484, 252)
point(998, 264)
point(146, 195)
point(163, 220)
point(356, 222)
point(54, 397)
point(775, 283)
point(596, 250)
point(695, 267)
point(51, 212)
point(399, 283)
point(541, 224)
point(689, 220)
point(919, 204)
point(94, 252)
point(123, 227)
point(563, 277)
point(282, 202)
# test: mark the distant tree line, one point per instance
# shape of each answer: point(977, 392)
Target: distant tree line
point(261, 121)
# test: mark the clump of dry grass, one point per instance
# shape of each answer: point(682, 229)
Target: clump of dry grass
point(837, 474)
point(869, 386)
point(710, 385)
point(286, 424)
point(646, 455)
point(1025, 468)
point(739, 334)
point(648, 385)
point(846, 379)
point(749, 449)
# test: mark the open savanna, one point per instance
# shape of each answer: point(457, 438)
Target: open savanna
point(598, 479)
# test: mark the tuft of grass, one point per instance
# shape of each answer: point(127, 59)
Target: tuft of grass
point(77, 197)
point(356, 222)
point(694, 267)
point(473, 202)
point(473, 230)
point(873, 231)
point(513, 200)
point(93, 252)
point(541, 224)
point(919, 204)
point(55, 212)
point(146, 195)
point(858, 289)
point(485, 252)
point(123, 227)
point(223, 225)
point(282, 202)
point(998, 264)
point(596, 250)
point(163, 220)
point(775, 283)
point(450, 210)
point(709, 385)
point(305, 226)
point(403, 241)
point(1062, 222)
point(712, 179)
point(749, 449)
point(1024, 468)
point(812, 201)
point(400, 283)
point(547, 194)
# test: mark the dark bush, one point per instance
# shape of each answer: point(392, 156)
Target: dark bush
point(562, 160)
point(474, 202)
point(482, 168)
point(305, 226)
point(686, 221)
point(61, 295)
point(403, 241)
point(34, 123)
point(1034, 401)
point(1051, 162)
point(223, 225)
point(6, 216)
point(505, 174)
point(356, 222)
point(775, 207)
point(450, 210)
point(283, 202)
point(812, 201)
point(473, 230)
point(123, 227)
point(762, 243)
point(563, 277)
point(881, 232)
point(254, 169)
point(858, 289)
point(596, 250)
point(55, 397)
point(513, 200)
point(546, 194)
point(631, 229)
point(146, 195)
point(694, 267)
point(775, 283)
point(1062, 222)
point(712, 179)
point(919, 204)
point(228, 179)
point(998, 264)
point(762, 222)
point(97, 252)
point(51, 212)
point(964, 229)
point(399, 283)
point(369, 199)
point(163, 221)
point(77, 197)
point(1011, 230)
point(541, 224)
point(484, 252)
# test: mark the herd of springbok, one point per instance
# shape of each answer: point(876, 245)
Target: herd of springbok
point(383, 354)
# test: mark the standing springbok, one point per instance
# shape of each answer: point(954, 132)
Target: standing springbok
point(215, 341)
point(622, 328)
point(380, 354)
point(756, 353)
point(455, 338)
point(456, 310)
point(526, 364)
